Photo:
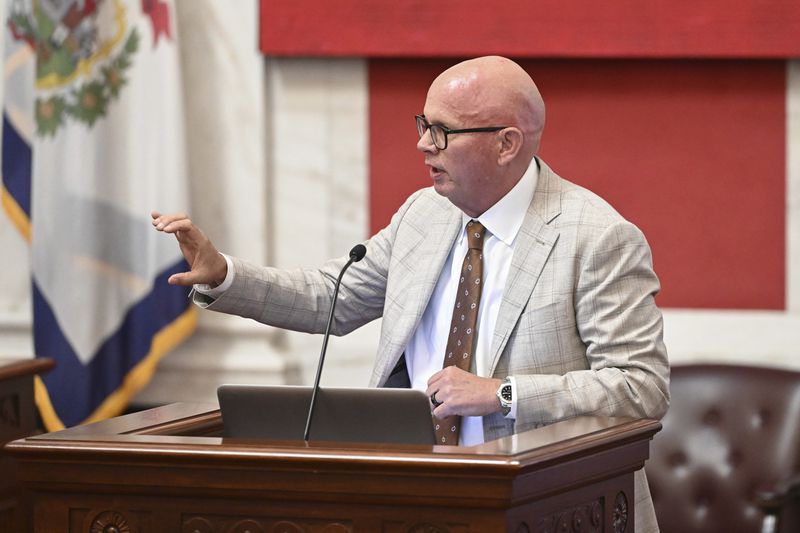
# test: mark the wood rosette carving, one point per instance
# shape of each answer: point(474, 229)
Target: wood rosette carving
point(620, 513)
point(110, 522)
point(584, 518)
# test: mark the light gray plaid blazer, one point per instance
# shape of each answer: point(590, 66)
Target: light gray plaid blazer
point(578, 326)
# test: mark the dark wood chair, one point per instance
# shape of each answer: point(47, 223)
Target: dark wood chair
point(728, 456)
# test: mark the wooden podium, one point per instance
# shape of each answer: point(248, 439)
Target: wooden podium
point(168, 470)
point(17, 419)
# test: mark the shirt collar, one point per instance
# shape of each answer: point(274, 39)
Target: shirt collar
point(504, 218)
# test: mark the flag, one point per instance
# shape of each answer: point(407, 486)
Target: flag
point(92, 142)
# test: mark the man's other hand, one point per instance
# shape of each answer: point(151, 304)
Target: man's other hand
point(207, 264)
point(463, 393)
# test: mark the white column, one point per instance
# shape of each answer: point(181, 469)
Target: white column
point(793, 187)
point(318, 166)
point(317, 158)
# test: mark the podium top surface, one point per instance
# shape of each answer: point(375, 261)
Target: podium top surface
point(192, 431)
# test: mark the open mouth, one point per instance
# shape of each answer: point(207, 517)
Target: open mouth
point(435, 171)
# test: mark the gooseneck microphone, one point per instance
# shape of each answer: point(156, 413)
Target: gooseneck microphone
point(356, 254)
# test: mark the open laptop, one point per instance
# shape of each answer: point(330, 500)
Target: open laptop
point(279, 412)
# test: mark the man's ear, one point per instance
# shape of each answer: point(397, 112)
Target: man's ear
point(510, 145)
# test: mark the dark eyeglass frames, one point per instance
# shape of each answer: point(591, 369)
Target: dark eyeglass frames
point(439, 133)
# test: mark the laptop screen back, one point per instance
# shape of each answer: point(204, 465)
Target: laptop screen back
point(279, 412)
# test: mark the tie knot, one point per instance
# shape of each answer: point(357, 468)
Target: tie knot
point(475, 233)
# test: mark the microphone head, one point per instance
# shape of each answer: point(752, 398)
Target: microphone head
point(358, 252)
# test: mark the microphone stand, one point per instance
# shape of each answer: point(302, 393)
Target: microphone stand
point(356, 254)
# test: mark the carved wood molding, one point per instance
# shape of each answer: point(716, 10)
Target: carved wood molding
point(239, 524)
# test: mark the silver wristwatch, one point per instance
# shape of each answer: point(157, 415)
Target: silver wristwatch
point(505, 395)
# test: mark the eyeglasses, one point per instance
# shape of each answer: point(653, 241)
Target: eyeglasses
point(439, 133)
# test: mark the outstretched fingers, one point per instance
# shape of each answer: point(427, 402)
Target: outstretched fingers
point(208, 266)
point(173, 223)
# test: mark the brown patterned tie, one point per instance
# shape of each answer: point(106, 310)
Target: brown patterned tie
point(463, 326)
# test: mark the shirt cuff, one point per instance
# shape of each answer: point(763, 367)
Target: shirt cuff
point(512, 414)
point(216, 292)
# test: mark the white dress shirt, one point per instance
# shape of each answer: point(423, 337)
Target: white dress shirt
point(425, 350)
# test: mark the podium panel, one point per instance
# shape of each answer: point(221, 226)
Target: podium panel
point(169, 470)
point(17, 419)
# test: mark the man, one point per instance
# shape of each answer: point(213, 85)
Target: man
point(560, 320)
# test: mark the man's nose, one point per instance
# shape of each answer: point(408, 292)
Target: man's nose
point(425, 143)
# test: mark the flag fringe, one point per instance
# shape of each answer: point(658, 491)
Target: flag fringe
point(17, 215)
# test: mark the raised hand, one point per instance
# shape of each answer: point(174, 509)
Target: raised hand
point(207, 264)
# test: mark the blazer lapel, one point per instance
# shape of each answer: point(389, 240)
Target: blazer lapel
point(430, 255)
point(534, 244)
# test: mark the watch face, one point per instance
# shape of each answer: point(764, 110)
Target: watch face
point(505, 392)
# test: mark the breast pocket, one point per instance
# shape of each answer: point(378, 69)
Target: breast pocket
point(546, 319)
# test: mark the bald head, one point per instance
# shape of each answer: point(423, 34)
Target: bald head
point(494, 116)
point(495, 90)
